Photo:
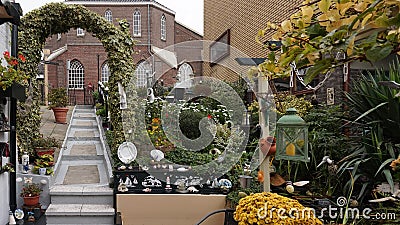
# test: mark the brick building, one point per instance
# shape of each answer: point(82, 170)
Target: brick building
point(153, 26)
point(238, 24)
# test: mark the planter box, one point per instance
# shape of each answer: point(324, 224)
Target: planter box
point(15, 91)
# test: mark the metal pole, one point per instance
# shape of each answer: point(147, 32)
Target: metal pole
point(98, 72)
point(13, 123)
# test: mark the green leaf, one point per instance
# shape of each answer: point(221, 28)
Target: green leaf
point(378, 52)
point(316, 30)
point(370, 110)
point(324, 5)
point(383, 165)
point(389, 178)
point(271, 56)
point(318, 68)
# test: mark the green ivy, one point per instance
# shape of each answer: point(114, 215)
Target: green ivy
point(56, 18)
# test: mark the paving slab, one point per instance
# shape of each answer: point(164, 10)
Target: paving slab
point(86, 174)
point(83, 150)
point(83, 123)
point(84, 134)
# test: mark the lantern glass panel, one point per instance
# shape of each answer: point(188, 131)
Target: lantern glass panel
point(294, 144)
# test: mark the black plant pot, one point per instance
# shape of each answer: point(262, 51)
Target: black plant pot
point(15, 91)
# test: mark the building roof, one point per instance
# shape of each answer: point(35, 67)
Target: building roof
point(192, 30)
point(121, 2)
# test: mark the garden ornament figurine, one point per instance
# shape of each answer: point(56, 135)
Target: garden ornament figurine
point(325, 159)
point(150, 95)
point(25, 162)
point(122, 97)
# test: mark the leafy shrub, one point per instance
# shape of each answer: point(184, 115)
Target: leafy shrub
point(184, 157)
point(101, 112)
point(45, 142)
point(189, 123)
point(58, 97)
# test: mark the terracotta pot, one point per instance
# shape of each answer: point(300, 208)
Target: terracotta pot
point(31, 201)
point(42, 151)
point(60, 114)
point(268, 145)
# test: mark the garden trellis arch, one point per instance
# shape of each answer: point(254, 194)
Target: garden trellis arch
point(56, 18)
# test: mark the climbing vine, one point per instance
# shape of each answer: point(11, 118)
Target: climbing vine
point(55, 18)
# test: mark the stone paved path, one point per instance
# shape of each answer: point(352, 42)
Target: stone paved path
point(49, 128)
point(79, 192)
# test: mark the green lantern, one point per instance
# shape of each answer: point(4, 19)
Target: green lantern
point(292, 137)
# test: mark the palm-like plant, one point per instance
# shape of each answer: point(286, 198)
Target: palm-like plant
point(376, 108)
point(373, 103)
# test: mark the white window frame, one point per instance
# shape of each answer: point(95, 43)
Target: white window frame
point(80, 32)
point(163, 28)
point(186, 73)
point(137, 24)
point(105, 73)
point(108, 15)
point(142, 71)
point(76, 75)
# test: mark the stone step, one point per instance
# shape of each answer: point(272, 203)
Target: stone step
point(84, 133)
point(85, 118)
point(84, 114)
point(83, 139)
point(80, 214)
point(82, 107)
point(83, 124)
point(82, 157)
point(82, 172)
point(67, 194)
point(84, 148)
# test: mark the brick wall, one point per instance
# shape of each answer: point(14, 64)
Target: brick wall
point(190, 51)
point(86, 48)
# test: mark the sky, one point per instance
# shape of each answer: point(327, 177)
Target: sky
point(188, 12)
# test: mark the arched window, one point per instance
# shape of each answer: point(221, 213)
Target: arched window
point(142, 71)
point(137, 28)
point(186, 72)
point(163, 28)
point(76, 75)
point(108, 15)
point(105, 72)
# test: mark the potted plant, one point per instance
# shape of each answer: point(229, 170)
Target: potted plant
point(12, 77)
point(31, 193)
point(58, 100)
point(46, 145)
point(44, 162)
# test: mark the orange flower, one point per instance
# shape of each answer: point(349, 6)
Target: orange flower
point(155, 120)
